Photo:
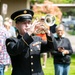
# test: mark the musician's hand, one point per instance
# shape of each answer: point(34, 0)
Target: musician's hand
point(32, 27)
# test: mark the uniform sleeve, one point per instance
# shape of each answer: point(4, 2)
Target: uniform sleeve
point(53, 46)
point(52, 42)
point(48, 45)
point(16, 46)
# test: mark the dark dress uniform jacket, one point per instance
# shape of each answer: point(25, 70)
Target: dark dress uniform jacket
point(25, 52)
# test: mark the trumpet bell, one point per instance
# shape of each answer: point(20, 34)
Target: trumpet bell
point(49, 20)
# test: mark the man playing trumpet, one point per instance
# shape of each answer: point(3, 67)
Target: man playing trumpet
point(25, 50)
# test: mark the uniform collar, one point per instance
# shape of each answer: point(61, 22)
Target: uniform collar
point(19, 36)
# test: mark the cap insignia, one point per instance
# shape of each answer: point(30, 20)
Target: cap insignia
point(25, 12)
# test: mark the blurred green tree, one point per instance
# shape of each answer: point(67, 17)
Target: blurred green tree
point(62, 1)
point(54, 1)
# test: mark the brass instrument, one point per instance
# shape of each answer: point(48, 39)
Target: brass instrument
point(49, 20)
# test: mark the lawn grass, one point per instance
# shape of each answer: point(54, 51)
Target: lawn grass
point(71, 32)
point(72, 66)
point(49, 70)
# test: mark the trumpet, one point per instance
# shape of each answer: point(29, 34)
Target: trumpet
point(49, 20)
point(46, 22)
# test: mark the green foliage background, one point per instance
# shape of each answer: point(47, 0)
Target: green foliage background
point(54, 1)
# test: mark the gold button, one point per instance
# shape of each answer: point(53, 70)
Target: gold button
point(31, 56)
point(31, 50)
point(31, 63)
point(32, 70)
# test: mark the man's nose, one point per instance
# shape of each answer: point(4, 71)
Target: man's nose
point(26, 25)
